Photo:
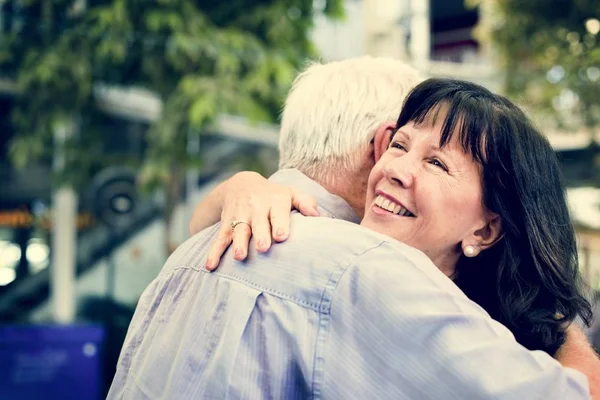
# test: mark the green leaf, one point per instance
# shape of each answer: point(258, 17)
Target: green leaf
point(203, 109)
point(25, 150)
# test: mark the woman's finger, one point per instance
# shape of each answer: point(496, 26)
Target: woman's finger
point(280, 216)
point(219, 247)
point(306, 204)
point(261, 230)
point(257, 207)
point(241, 237)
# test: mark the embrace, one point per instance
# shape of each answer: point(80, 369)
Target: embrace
point(433, 257)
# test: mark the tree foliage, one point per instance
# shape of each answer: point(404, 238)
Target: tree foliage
point(201, 57)
point(550, 54)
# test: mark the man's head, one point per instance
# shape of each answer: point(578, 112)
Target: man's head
point(330, 118)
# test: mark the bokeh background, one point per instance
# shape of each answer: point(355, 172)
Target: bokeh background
point(117, 117)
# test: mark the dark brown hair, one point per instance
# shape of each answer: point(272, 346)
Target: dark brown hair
point(530, 279)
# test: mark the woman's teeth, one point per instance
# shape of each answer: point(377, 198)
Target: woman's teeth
point(392, 207)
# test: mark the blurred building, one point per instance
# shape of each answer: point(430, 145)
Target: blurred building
point(436, 36)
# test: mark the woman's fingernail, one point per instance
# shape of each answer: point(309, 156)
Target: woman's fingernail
point(260, 245)
point(239, 253)
point(209, 264)
point(279, 232)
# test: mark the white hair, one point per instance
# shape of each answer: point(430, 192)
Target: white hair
point(333, 110)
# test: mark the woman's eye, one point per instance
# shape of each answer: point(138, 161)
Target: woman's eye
point(438, 164)
point(396, 145)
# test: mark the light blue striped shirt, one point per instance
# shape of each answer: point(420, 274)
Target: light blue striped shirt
point(335, 312)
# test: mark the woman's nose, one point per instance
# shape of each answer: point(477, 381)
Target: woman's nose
point(401, 170)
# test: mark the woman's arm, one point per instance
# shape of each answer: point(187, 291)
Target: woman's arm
point(208, 211)
point(265, 207)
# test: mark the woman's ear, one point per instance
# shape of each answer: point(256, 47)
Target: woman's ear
point(491, 233)
point(383, 136)
point(483, 238)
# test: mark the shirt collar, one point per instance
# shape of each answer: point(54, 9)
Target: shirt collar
point(333, 206)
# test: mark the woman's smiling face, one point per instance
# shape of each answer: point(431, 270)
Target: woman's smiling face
point(426, 196)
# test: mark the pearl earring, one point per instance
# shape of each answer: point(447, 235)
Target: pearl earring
point(471, 251)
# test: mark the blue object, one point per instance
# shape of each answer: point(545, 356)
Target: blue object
point(50, 362)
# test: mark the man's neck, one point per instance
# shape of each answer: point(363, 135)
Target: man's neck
point(328, 196)
point(349, 194)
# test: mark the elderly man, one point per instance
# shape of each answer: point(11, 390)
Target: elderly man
point(264, 333)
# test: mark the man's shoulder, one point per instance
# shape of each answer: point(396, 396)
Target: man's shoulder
point(307, 264)
point(194, 250)
point(371, 261)
point(349, 242)
point(320, 233)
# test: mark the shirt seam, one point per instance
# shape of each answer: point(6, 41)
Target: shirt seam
point(325, 319)
point(264, 289)
point(305, 304)
point(331, 214)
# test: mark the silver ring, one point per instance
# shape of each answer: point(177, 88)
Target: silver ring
point(237, 222)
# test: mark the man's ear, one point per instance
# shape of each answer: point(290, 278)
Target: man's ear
point(383, 136)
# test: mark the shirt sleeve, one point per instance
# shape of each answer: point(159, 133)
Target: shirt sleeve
point(399, 329)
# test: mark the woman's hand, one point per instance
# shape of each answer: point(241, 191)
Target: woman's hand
point(263, 206)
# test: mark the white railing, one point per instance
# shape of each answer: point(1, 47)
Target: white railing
point(143, 105)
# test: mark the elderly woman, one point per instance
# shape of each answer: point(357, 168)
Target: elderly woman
point(470, 182)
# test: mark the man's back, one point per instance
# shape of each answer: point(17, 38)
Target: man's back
point(248, 330)
point(337, 312)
